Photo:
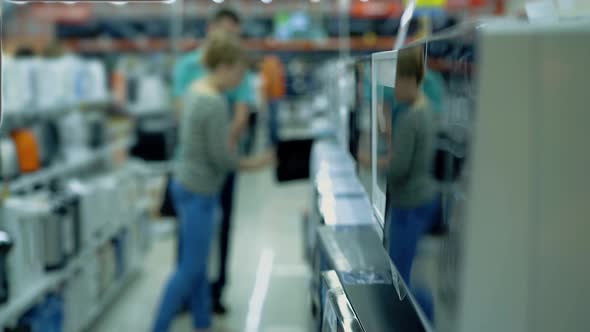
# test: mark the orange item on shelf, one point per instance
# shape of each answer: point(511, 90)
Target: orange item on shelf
point(273, 77)
point(119, 83)
point(376, 9)
point(27, 150)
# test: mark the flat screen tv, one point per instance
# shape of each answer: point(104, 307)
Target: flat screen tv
point(423, 103)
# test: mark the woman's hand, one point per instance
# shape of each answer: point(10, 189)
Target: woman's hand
point(268, 158)
point(258, 161)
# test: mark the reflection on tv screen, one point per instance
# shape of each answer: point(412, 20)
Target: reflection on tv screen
point(423, 132)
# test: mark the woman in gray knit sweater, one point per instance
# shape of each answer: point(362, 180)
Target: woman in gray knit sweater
point(205, 157)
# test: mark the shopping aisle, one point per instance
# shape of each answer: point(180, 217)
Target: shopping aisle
point(268, 276)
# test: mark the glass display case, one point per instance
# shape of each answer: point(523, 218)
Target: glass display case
point(423, 105)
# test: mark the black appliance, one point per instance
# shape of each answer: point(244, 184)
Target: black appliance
point(6, 244)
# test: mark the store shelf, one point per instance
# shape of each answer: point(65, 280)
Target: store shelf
point(319, 128)
point(10, 312)
point(29, 181)
point(22, 118)
point(157, 44)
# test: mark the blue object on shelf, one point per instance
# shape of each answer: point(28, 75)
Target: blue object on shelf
point(120, 242)
point(47, 316)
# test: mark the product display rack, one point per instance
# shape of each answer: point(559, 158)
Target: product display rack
point(108, 298)
point(21, 118)
point(261, 45)
point(10, 312)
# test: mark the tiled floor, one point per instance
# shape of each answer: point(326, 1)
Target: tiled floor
point(268, 290)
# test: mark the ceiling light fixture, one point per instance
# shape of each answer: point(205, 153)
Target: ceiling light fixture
point(218, 1)
point(266, 1)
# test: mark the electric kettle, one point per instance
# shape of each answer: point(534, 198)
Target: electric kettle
point(99, 86)
point(69, 211)
point(64, 213)
point(87, 209)
point(73, 134)
point(27, 150)
point(9, 168)
point(54, 246)
point(22, 218)
point(47, 136)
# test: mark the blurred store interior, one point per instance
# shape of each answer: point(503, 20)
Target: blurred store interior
point(295, 166)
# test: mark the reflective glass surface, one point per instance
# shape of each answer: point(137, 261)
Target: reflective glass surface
point(424, 106)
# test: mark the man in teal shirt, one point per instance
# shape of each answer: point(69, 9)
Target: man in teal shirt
point(187, 69)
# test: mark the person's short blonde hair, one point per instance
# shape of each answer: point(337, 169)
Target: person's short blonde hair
point(223, 49)
point(410, 63)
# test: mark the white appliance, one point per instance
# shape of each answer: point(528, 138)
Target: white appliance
point(98, 76)
point(74, 136)
point(90, 209)
point(51, 85)
point(23, 219)
point(151, 96)
point(526, 247)
point(17, 92)
point(9, 167)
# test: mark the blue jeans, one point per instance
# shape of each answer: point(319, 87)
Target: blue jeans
point(189, 281)
point(227, 204)
point(406, 228)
